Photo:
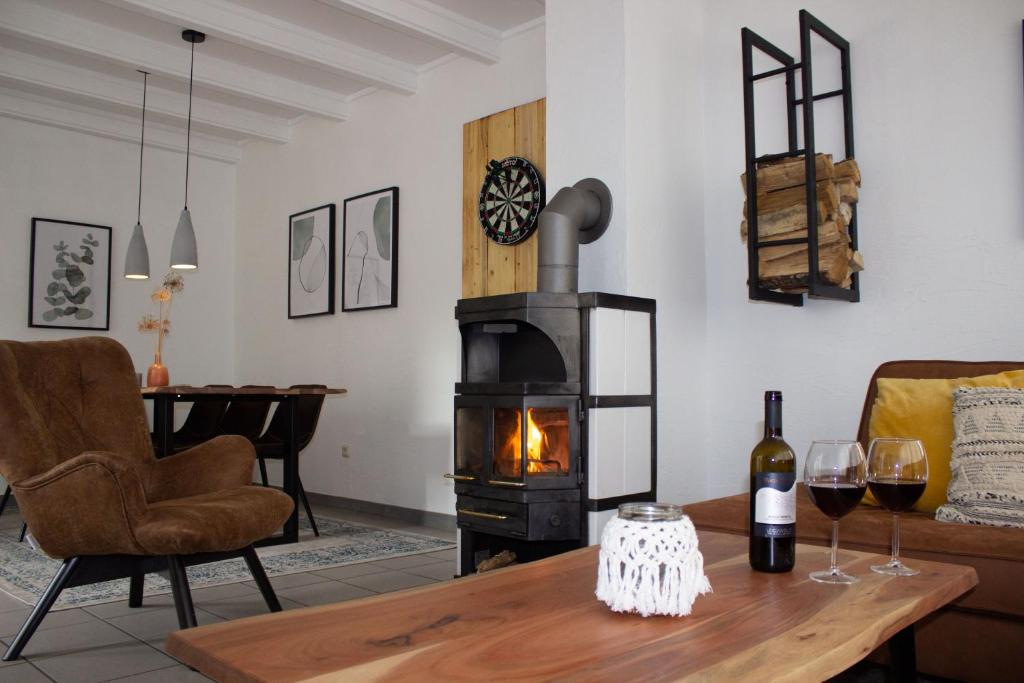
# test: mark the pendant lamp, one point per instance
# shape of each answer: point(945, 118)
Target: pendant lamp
point(136, 261)
point(184, 254)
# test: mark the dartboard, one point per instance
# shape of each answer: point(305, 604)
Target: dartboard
point(510, 200)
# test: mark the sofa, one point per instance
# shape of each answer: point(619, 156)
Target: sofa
point(979, 636)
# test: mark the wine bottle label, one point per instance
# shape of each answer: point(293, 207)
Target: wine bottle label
point(775, 504)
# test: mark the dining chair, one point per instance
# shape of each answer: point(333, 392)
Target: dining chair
point(272, 443)
point(77, 453)
point(246, 416)
point(201, 422)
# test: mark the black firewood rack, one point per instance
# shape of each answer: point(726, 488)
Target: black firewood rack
point(817, 287)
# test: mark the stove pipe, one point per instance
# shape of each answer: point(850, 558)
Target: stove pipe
point(575, 215)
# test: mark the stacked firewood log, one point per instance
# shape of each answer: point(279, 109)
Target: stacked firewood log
point(782, 215)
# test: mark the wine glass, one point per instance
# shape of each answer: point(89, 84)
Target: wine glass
point(897, 475)
point(835, 473)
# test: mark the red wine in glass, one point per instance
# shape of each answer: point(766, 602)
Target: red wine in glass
point(896, 495)
point(897, 476)
point(835, 473)
point(835, 500)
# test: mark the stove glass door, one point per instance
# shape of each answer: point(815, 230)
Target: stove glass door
point(470, 441)
point(547, 442)
point(508, 444)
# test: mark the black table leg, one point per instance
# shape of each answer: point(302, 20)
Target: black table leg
point(903, 656)
point(291, 470)
point(163, 424)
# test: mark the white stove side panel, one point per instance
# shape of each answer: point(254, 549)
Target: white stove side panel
point(620, 352)
point(619, 442)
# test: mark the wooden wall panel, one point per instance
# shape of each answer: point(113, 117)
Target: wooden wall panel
point(529, 145)
point(501, 259)
point(474, 241)
point(489, 268)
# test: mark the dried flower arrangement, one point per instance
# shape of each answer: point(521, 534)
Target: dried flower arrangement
point(161, 324)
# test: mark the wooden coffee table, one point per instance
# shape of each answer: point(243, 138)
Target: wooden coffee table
point(541, 621)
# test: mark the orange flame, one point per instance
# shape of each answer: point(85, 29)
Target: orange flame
point(536, 444)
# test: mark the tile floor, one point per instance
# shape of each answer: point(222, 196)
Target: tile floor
point(112, 642)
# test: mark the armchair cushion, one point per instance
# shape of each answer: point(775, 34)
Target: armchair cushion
point(223, 462)
point(210, 522)
point(64, 521)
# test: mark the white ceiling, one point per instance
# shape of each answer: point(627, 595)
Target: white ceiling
point(265, 64)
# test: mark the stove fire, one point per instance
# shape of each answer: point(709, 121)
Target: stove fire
point(547, 441)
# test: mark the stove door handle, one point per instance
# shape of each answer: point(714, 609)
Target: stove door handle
point(500, 482)
point(459, 477)
point(485, 515)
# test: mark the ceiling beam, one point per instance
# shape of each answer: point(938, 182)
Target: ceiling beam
point(43, 25)
point(429, 23)
point(65, 81)
point(42, 110)
point(237, 24)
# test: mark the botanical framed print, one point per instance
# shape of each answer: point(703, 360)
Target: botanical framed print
point(370, 251)
point(69, 275)
point(311, 262)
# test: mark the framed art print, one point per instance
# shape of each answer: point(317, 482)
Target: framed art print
point(311, 262)
point(69, 275)
point(370, 249)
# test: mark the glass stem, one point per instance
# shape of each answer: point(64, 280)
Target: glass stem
point(835, 546)
point(895, 539)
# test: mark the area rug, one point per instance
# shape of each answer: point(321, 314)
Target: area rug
point(25, 573)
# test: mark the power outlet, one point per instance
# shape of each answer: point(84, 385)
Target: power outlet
point(344, 451)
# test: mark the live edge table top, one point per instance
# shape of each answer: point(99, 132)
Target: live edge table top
point(541, 621)
point(187, 390)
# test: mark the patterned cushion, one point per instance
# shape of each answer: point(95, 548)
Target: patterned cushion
point(987, 486)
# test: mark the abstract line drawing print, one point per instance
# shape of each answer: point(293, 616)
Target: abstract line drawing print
point(369, 248)
point(310, 262)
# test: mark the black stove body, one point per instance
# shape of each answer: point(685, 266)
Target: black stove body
point(528, 415)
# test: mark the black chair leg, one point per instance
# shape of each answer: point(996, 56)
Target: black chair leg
point(24, 530)
point(7, 497)
point(260, 577)
point(135, 590)
point(263, 469)
point(309, 510)
point(46, 600)
point(182, 595)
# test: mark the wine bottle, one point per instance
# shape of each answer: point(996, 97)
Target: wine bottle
point(772, 495)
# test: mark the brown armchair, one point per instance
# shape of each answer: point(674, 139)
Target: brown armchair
point(77, 452)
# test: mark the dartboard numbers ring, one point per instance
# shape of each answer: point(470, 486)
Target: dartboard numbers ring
point(511, 200)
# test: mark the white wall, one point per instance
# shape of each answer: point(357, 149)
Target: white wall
point(625, 105)
point(938, 118)
point(49, 172)
point(399, 365)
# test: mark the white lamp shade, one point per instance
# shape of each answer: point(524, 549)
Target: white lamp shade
point(184, 255)
point(136, 261)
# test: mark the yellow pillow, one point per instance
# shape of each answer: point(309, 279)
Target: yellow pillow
point(923, 409)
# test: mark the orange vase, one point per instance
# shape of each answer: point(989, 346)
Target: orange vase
point(157, 375)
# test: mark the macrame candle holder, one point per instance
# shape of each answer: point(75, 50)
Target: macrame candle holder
point(649, 561)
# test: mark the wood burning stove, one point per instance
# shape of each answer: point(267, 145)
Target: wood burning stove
point(554, 419)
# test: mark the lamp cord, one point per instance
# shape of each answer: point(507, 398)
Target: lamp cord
point(142, 142)
point(188, 134)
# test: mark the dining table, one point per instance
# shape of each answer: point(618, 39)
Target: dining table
point(164, 399)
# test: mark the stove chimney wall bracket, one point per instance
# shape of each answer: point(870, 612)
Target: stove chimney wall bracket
point(575, 215)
